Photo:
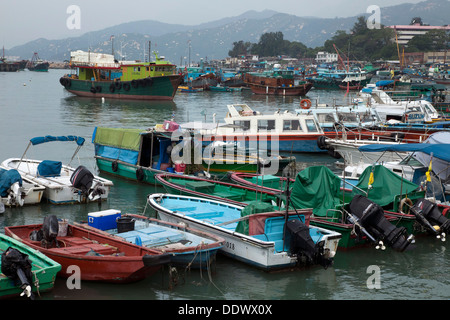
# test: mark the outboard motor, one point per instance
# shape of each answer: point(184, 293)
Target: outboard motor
point(17, 266)
point(429, 215)
point(370, 217)
point(302, 245)
point(82, 179)
point(50, 229)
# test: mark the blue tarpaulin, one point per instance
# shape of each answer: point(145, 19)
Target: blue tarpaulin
point(7, 178)
point(39, 140)
point(441, 151)
point(383, 83)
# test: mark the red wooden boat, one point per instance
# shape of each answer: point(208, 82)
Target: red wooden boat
point(99, 257)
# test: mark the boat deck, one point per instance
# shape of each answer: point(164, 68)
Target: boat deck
point(81, 246)
point(225, 217)
point(161, 237)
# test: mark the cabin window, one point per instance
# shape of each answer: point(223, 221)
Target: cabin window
point(347, 117)
point(325, 117)
point(266, 125)
point(147, 68)
point(291, 125)
point(243, 125)
point(311, 125)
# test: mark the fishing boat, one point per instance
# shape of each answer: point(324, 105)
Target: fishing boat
point(37, 64)
point(281, 131)
point(395, 203)
point(276, 82)
point(139, 154)
point(101, 76)
point(97, 257)
point(187, 247)
point(339, 79)
point(63, 183)
point(257, 235)
point(24, 271)
point(368, 212)
point(215, 190)
point(18, 191)
point(388, 109)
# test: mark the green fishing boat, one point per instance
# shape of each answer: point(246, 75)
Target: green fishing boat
point(395, 196)
point(39, 270)
point(101, 76)
point(215, 190)
point(135, 154)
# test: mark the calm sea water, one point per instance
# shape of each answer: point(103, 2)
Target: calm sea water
point(34, 104)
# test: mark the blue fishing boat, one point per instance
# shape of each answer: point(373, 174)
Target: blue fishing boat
point(256, 234)
point(187, 247)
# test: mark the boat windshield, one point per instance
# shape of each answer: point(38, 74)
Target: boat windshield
point(311, 125)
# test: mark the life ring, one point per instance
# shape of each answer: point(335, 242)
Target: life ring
point(126, 86)
point(409, 204)
point(118, 85)
point(140, 174)
point(305, 104)
point(93, 90)
point(134, 83)
point(114, 166)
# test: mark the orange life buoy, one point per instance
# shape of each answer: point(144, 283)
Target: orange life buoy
point(305, 104)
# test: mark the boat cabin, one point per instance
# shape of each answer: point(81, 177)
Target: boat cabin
point(349, 116)
point(242, 119)
point(103, 67)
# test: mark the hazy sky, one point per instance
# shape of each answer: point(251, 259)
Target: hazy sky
point(25, 20)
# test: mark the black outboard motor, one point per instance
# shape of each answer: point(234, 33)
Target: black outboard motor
point(302, 245)
point(50, 229)
point(370, 216)
point(17, 266)
point(82, 179)
point(429, 215)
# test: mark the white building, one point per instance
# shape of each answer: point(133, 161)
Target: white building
point(325, 57)
point(407, 32)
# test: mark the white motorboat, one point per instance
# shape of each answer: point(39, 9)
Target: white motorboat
point(274, 240)
point(16, 191)
point(63, 183)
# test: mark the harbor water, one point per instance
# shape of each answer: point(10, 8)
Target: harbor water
point(35, 104)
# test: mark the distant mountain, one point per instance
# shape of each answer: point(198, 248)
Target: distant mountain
point(214, 39)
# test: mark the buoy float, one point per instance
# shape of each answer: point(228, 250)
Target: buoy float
point(305, 104)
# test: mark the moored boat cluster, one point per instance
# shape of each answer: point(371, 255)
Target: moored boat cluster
point(229, 189)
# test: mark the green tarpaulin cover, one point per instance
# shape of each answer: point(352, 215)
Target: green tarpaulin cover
point(120, 138)
point(317, 188)
point(386, 185)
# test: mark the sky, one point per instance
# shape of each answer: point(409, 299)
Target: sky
point(22, 21)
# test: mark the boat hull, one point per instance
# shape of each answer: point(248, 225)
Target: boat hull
point(251, 250)
point(105, 266)
point(160, 88)
point(127, 170)
point(58, 190)
point(299, 90)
